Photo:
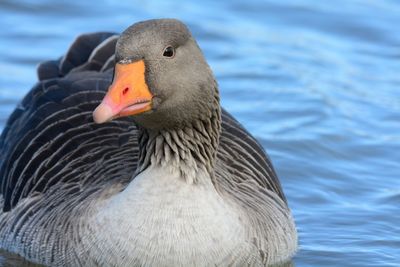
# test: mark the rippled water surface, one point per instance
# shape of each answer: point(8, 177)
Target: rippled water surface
point(317, 82)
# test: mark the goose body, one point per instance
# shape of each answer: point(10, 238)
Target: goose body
point(176, 182)
point(162, 210)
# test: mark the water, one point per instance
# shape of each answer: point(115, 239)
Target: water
point(317, 82)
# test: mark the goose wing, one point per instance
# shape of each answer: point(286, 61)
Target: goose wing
point(50, 139)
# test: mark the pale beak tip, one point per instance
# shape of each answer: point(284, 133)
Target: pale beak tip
point(102, 113)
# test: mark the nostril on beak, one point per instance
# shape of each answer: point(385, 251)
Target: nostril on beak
point(125, 91)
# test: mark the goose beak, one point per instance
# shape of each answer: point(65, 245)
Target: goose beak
point(127, 95)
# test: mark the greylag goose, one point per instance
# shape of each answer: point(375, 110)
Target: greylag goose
point(157, 175)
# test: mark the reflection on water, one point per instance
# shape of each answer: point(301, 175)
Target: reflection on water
point(317, 83)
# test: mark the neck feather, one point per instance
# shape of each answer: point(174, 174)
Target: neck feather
point(189, 149)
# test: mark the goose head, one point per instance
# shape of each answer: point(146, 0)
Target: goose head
point(160, 78)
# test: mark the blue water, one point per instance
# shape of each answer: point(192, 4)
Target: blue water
point(317, 82)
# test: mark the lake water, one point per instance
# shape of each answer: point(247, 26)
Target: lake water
point(317, 82)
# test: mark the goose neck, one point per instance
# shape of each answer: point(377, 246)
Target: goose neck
point(189, 149)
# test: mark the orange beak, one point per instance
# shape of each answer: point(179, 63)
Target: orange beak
point(127, 95)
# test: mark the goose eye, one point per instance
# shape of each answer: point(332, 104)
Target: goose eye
point(169, 51)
